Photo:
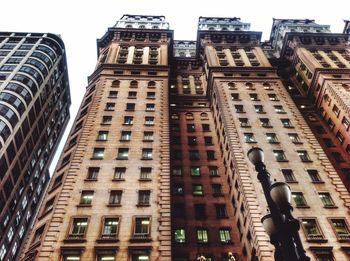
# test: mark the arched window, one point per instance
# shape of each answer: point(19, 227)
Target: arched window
point(267, 86)
point(204, 116)
point(248, 85)
point(151, 84)
point(115, 84)
point(231, 85)
point(134, 84)
point(142, 27)
point(174, 116)
point(128, 26)
point(189, 116)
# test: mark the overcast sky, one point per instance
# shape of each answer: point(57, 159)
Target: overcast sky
point(80, 22)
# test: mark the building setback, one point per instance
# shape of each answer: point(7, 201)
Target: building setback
point(34, 111)
point(155, 166)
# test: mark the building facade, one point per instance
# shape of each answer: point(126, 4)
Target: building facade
point(34, 111)
point(155, 167)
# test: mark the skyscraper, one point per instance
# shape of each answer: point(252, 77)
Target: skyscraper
point(155, 167)
point(34, 111)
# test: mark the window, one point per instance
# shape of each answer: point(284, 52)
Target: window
point(336, 110)
point(286, 123)
point(345, 122)
point(142, 227)
point(78, 228)
point(190, 128)
point(279, 109)
point(119, 173)
point(213, 171)
point(148, 136)
point(147, 154)
point(314, 176)
point(197, 190)
point(151, 84)
point(106, 256)
point(110, 106)
point(174, 116)
point(110, 229)
point(192, 140)
point(176, 154)
point(265, 122)
point(106, 119)
point(249, 138)
point(311, 229)
point(125, 136)
point(204, 115)
point(220, 211)
point(210, 155)
point(303, 155)
point(180, 235)
point(115, 197)
point(205, 127)
point(145, 173)
point(71, 257)
point(178, 189)
point(132, 95)
point(338, 157)
point(294, 138)
point(134, 84)
point(328, 142)
point(123, 153)
point(288, 175)
point(150, 107)
point(113, 94)
point(340, 136)
point(244, 122)
point(272, 97)
point(259, 109)
point(279, 155)
point(272, 138)
point(199, 211)
point(98, 153)
point(149, 121)
point(92, 173)
point(130, 107)
point(140, 255)
point(151, 95)
point(102, 135)
point(239, 108)
point(194, 155)
point(299, 199)
point(86, 197)
point(235, 97)
point(115, 84)
point(195, 171)
point(254, 97)
point(202, 235)
point(176, 171)
point(326, 199)
point(217, 189)
point(341, 228)
point(189, 116)
point(144, 197)
point(330, 123)
point(208, 140)
point(224, 235)
point(128, 120)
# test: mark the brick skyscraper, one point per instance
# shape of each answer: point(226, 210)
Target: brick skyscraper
point(34, 111)
point(155, 167)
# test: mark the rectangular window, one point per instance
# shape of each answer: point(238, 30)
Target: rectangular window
point(102, 135)
point(180, 235)
point(98, 153)
point(149, 121)
point(208, 140)
point(210, 155)
point(249, 137)
point(330, 123)
point(197, 190)
point(144, 197)
point(151, 95)
point(110, 106)
point(239, 109)
point(213, 171)
point(194, 154)
point(259, 108)
point(244, 122)
point(286, 123)
point(78, 228)
point(191, 128)
point(265, 122)
point(123, 153)
point(202, 235)
point(279, 109)
point(205, 127)
point(314, 176)
point(145, 173)
point(92, 173)
point(192, 140)
point(220, 210)
point(113, 94)
point(254, 97)
point(132, 95)
point(328, 142)
point(71, 257)
point(326, 199)
point(336, 110)
point(176, 171)
point(294, 138)
point(340, 137)
point(272, 97)
point(128, 120)
point(148, 136)
point(345, 122)
point(119, 173)
point(304, 156)
point(272, 138)
point(150, 107)
point(311, 229)
point(142, 227)
point(279, 155)
point(115, 197)
point(288, 175)
point(130, 107)
point(299, 199)
point(125, 136)
point(147, 154)
point(106, 120)
point(86, 197)
point(140, 255)
point(195, 171)
point(110, 229)
point(341, 228)
point(224, 235)
point(178, 189)
point(217, 190)
point(199, 211)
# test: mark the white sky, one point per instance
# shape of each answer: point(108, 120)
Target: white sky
point(80, 22)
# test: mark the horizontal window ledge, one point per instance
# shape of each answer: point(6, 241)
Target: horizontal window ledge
point(330, 206)
point(113, 205)
point(281, 112)
point(317, 240)
point(84, 205)
point(274, 142)
point(123, 140)
point(108, 109)
point(118, 179)
point(122, 158)
point(289, 127)
point(127, 124)
point(261, 112)
point(145, 180)
point(307, 161)
point(302, 206)
point(131, 97)
point(299, 142)
point(101, 140)
point(251, 142)
point(318, 182)
point(88, 180)
point(282, 160)
point(106, 124)
point(93, 158)
point(147, 158)
point(141, 239)
point(267, 126)
point(143, 205)
point(107, 240)
point(292, 181)
point(75, 240)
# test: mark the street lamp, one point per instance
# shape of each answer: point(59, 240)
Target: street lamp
point(279, 224)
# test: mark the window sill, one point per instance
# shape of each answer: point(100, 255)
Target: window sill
point(274, 142)
point(145, 180)
point(121, 158)
point(118, 179)
point(123, 140)
point(292, 181)
point(107, 240)
point(289, 127)
point(316, 239)
point(127, 124)
point(146, 158)
point(93, 158)
point(333, 206)
point(303, 206)
point(281, 112)
point(106, 124)
point(143, 205)
point(74, 240)
point(131, 97)
point(267, 127)
point(108, 109)
point(147, 140)
point(251, 142)
point(84, 206)
point(307, 161)
point(261, 112)
point(89, 180)
point(114, 205)
point(141, 239)
point(101, 140)
point(282, 160)
point(297, 142)
point(318, 182)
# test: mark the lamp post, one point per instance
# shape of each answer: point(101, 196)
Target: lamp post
point(279, 224)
